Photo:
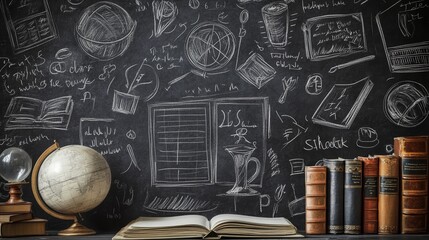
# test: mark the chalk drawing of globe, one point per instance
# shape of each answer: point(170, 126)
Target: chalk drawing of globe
point(74, 179)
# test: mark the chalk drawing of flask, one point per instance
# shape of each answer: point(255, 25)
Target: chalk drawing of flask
point(241, 155)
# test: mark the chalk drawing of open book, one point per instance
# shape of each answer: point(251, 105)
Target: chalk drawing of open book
point(33, 113)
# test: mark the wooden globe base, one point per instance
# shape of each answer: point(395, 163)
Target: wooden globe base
point(15, 193)
point(76, 229)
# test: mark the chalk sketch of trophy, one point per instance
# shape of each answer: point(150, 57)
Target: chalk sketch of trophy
point(241, 155)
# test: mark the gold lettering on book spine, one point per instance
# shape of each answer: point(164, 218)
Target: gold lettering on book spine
point(334, 168)
point(352, 227)
point(353, 169)
point(391, 161)
point(387, 229)
point(336, 227)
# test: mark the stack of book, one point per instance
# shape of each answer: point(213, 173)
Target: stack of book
point(17, 220)
point(381, 194)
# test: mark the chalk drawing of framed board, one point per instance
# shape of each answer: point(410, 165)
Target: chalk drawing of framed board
point(188, 140)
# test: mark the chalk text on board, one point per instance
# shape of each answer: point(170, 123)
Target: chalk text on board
point(319, 144)
point(229, 121)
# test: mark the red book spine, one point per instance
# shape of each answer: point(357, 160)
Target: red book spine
point(370, 194)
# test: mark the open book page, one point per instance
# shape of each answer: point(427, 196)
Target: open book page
point(56, 106)
point(24, 106)
point(257, 221)
point(234, 224)
point(168, 222)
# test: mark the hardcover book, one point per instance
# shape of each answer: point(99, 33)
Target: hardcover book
point(15, 217)
point(335, 195)
point(197, 226)
point(388, 194)
point(341, 105)
point(353, 197)
point(31, 227)
point(370, 194)
point(315, 200)
point(414, 170)
point(24, 207)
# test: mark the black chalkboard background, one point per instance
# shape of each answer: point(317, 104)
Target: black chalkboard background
point(230, 97)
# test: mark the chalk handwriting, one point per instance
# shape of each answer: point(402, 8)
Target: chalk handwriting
point(211, 91)
point(317, 144)
point(8, 140)
point(32, 139)
point(233, 119)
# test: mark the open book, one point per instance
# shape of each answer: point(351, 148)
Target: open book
point(197, 226)
point(33, 113)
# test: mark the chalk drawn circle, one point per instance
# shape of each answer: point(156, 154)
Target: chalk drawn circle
point(314, 85)
point(105, 30)
point(406, 104)
point(210, 46)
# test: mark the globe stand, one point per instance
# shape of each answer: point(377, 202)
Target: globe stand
point(15, 193)
point(76, 229)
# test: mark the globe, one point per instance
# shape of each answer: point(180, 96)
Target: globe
point(70, 180)
point(210, 46)
point(105, 30)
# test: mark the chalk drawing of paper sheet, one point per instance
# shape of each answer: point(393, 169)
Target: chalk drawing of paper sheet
point(179, 136)
point(29, 23)
point(342, 104)
point(335, 35)
point(403, 29)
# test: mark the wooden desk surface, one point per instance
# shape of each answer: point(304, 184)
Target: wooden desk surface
point(53, 236)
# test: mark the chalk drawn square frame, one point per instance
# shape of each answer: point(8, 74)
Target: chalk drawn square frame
point(155, 181)
point(10, 26)
point(261, 102)
point(210, 105)
point(311, 22)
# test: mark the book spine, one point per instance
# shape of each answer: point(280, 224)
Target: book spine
point(353, 197)
point(335, 195)
point(388, 194)
point(315, 200)
point(414, 182)
point(370, 194)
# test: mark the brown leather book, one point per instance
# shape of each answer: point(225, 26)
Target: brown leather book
point(414, 168)
point(388, 194)
point(315, 200)
point(30, 227)
point(22, 207)
point(370, 194)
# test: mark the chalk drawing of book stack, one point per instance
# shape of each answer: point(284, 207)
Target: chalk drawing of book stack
point(342, 104)
point(403, 28)
point(29, 23)
point(32, 113)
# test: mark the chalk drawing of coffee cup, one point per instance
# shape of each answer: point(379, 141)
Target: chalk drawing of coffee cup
point(241, 155)
point(276, 20)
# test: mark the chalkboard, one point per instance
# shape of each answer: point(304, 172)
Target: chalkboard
point(209, 107)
